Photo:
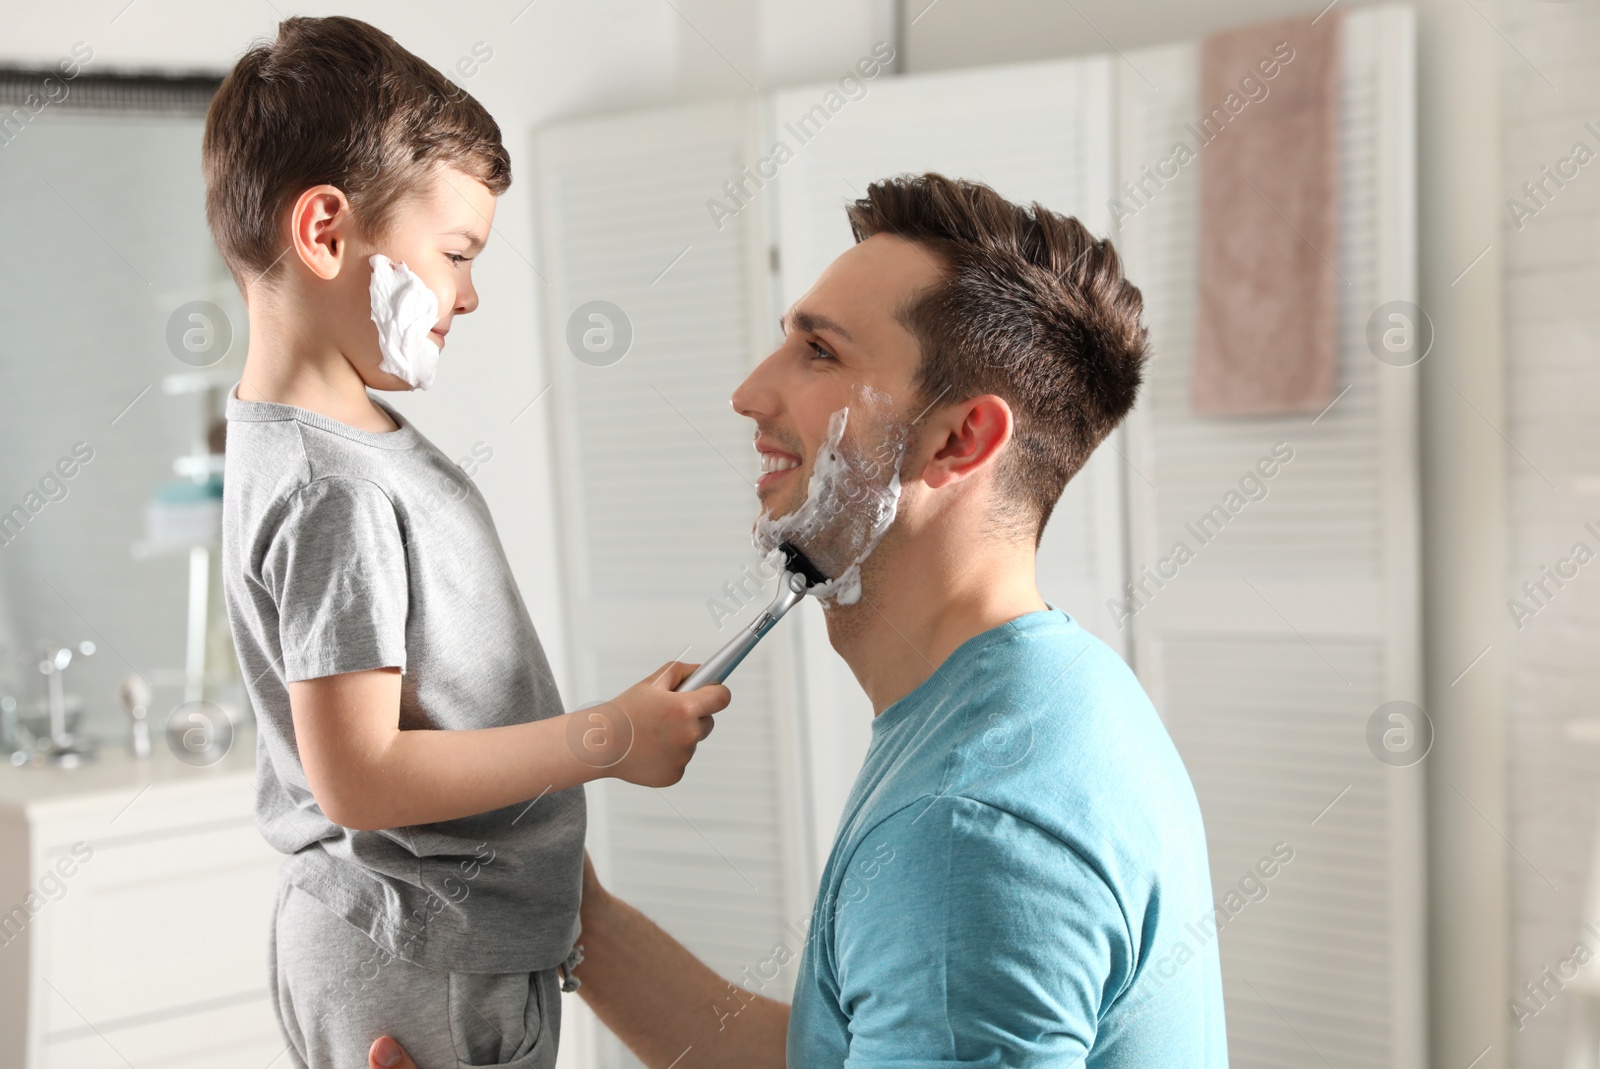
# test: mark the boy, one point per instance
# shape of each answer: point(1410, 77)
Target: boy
point(412, 757)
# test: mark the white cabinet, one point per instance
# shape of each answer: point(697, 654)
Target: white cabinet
point(135, 905)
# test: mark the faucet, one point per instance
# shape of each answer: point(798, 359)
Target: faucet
point(62, 749)
point(10, 727)
point(134, 694)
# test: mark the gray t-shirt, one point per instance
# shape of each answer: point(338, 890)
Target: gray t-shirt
point(345, 550)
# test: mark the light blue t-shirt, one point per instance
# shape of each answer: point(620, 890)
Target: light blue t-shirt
point(1019, 877)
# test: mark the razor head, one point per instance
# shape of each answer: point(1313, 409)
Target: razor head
point(798, 563)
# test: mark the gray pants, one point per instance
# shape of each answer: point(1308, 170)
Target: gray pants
point(335, 991)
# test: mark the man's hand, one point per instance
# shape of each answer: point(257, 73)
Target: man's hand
point(648, 733)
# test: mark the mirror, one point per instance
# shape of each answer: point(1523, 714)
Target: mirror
point(123, 331)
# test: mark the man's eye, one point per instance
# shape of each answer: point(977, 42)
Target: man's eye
point(819, 351)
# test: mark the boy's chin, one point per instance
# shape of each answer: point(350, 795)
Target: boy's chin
point(383, 380)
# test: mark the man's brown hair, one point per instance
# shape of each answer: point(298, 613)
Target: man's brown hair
point(1032, 309)
point(338, 102)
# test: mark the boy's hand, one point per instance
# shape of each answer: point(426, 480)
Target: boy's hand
point(648, 733)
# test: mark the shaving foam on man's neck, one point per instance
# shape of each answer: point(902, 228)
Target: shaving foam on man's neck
point(850, 502)
point(405, 310)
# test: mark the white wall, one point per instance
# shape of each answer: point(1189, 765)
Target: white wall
point(964, 33)
point(1552, 275)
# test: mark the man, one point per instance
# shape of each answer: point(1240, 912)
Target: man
point(1019, 877)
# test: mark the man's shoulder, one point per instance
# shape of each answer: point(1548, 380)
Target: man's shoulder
point(1053, 728)
point(1053, 706)
point(1048, 660)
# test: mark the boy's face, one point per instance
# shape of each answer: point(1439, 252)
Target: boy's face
point(843, 348)
point(437, 233)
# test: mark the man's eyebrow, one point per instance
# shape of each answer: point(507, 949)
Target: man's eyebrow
point(474, 241)
point(812, 323)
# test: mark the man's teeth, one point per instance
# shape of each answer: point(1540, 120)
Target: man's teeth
point(771, 462)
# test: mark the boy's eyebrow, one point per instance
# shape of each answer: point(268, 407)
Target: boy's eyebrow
point(812, 323)
point(474, 241)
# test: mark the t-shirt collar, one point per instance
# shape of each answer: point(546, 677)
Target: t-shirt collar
point(271, 411)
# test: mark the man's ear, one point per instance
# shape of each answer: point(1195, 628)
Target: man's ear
point(974, 432)
point(318, 228)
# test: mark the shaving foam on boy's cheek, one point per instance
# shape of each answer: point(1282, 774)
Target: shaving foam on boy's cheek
point(405, 310)
point(850, 502)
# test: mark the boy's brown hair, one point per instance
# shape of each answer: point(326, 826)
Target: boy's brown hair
point(339, 102)
point(1031, 309)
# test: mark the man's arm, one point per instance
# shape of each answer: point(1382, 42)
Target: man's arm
point(665, 1003)
point(366, 773)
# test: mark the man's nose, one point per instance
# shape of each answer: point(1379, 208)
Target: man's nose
point(756, 397)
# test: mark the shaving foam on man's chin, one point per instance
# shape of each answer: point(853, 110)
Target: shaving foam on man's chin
point(405, 310)
point(850, 503)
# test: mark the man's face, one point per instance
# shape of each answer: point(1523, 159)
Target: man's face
point(437, 234)
point(842, 348)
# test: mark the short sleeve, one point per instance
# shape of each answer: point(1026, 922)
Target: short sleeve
point(336, 569)
point(971, 937)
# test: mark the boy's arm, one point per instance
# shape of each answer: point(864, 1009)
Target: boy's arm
point(366, 773)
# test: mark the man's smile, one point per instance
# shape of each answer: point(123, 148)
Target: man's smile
point(775, 464)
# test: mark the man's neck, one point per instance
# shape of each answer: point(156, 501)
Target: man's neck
point(921, 602)
point(291, 363)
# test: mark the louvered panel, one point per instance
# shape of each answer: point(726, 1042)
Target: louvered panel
point(1268, 651)
point(1238, 705)
point(1323, 511)
point(657, 491)
point(1033, 132)
point(654, 433)
point(1552, 386)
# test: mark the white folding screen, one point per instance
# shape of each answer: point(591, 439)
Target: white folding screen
point(1272, 646)
point(657, 479)
point(1033, 132)
point(1266, 655)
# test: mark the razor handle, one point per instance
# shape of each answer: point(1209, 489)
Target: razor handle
point(721, 664)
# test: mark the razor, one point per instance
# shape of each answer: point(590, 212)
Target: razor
point(799, 576)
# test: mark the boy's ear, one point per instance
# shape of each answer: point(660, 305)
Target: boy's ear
point(967, 439)
point(318, 229)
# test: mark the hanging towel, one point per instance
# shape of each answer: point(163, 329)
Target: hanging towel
point(1266, 337)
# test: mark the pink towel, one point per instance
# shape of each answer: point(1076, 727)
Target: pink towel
point(1266, 340)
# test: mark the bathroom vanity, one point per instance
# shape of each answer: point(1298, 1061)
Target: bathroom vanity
point(135, 903)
